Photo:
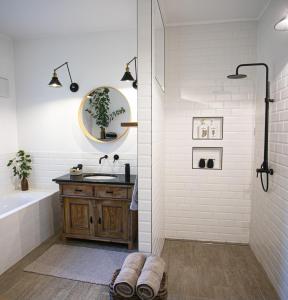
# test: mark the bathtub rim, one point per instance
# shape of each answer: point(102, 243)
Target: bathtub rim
point(47, 193)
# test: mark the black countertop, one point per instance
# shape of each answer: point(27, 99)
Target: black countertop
point(119, 179)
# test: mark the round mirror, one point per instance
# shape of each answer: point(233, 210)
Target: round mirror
point(101, 113)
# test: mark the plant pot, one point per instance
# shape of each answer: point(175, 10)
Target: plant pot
point(103, 133)
point(24, 184)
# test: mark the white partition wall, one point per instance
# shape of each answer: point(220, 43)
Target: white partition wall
point(158, 136)
point(144, 125)
point(150, 133)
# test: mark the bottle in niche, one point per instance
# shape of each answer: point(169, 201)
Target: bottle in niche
point(210, 163)
point(203, 130)
point(213, 130)
point(202, 163)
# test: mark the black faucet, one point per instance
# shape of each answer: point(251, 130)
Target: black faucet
point(103, 157)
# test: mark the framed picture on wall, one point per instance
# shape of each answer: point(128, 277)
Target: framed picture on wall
point(207, 128)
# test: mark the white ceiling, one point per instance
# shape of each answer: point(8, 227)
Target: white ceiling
point(22, 19)
point(181, 12)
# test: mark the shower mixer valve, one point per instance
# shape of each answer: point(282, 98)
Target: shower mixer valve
point(264, 170)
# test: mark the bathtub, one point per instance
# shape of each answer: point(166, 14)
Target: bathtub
point(26, 220)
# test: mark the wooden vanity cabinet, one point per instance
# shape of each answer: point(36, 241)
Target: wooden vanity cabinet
point(78, 216)
point(99, 212)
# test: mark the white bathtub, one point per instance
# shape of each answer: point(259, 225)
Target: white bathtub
point(26, 220)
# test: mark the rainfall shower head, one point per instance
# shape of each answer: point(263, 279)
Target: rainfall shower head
point(237, 76)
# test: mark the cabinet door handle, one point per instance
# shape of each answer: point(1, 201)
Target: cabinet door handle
point(78, 190)
point(99, 221)
point(109, 192)
point(91, 220)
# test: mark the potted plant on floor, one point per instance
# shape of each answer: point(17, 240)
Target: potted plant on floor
point(99, 103)
point(21, 166)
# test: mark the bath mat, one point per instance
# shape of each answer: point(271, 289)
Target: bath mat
point(78, 263)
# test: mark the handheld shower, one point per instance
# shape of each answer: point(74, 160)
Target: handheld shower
point(264, 169)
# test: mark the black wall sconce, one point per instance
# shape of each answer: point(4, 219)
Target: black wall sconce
point(128, 76)
point(74, 87)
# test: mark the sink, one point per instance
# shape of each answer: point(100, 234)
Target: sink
point(99, 176)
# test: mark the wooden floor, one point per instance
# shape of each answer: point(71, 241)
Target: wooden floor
point(199, 271)
point(196, 271)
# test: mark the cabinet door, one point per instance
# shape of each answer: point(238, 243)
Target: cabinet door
point(112, 219)
point(78, 218)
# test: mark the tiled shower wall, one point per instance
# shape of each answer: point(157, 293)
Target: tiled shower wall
point(269, 220)
point(201, 204)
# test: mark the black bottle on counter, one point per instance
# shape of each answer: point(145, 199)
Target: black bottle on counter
point(127, 172)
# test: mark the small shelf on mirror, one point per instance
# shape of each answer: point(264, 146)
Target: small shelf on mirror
point(129, 124)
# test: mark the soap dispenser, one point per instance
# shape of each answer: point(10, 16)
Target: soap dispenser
point(127, 172)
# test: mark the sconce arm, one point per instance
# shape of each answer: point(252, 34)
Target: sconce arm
point(66, 63)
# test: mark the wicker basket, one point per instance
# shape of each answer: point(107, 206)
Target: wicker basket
point(162, 294)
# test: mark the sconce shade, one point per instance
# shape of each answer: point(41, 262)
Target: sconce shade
point(127, 75)
point(55, 81)
point(282, 25)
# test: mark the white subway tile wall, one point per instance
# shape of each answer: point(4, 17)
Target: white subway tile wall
point(269, 221)
point(48, 165)
point(144, 126)
point(201, 204)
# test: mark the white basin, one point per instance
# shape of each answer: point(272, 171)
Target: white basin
point(100, 177)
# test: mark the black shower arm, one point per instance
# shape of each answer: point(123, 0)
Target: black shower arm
point(66, 63)
point(267, 97)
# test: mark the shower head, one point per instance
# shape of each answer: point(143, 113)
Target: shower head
point(237, 76)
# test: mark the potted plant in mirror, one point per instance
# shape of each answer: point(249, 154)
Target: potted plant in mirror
point(99, 102)
point(21, 166)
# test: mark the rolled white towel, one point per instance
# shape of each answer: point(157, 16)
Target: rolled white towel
point(149, 281)
point(125, 283)
point(135, 261)
point(126, 280)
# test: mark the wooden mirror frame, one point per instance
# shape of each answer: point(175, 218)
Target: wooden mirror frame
point(81, 122)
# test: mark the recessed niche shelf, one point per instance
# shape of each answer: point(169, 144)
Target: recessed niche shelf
point(207, 158)
point(207, 128)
